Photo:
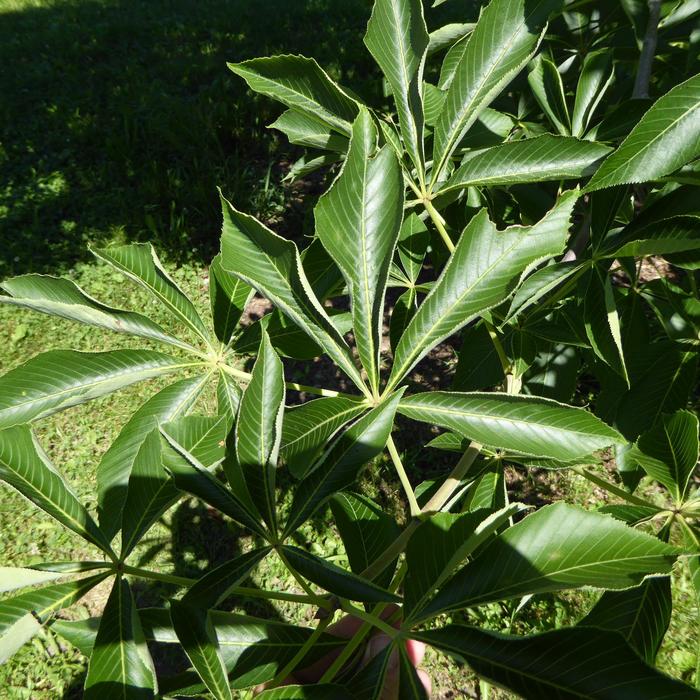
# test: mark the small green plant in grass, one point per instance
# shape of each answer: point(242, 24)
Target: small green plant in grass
point(513, 225)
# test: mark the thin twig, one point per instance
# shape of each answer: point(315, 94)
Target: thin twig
point(646, 58)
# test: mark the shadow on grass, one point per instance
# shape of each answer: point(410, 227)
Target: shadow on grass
point(119, 119)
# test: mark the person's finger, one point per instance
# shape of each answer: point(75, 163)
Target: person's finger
point(425, 680)
point(415, 651)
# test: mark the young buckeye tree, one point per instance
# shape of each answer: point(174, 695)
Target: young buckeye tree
point(501, 209)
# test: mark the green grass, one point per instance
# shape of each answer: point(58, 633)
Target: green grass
point(118, 121)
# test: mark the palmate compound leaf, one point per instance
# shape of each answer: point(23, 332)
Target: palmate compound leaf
point(482, 271)
point(139, 262)
point(272, 265)
point(300, 83)
point(59, 379)
point(259, 429)
point(339, 465)
point(526, 424)
point(117, 463)
point(538, 159)
point(358, 221)
point(566, 663)
point(308, 427)
point(668, 452)
point(398, 40)
point(503, 41)
point(193, 623)
point(120, 665)
point(25, 466)
point(61, 297)
point(556, 548)
point(667, 137)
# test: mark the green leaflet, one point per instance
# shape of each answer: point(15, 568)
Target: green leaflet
point(447, 35)
point(18, 634)
point(198, 638)
point(526, 424)
point(305, 130)
point(118, 461)
point(529, 160)
point(414, 239)
point(44, 602)
point(366, 531)
point(398, 40)
point(61, 297)
point(339, 466)
point(151, 490)
point(503, 41)
point(402, 313)
point(333, 578)
point(120, 664)
point(300, 83)
point(26, 467)
point(193, 623)
point(482, 271)
point(556, 548)
point(668, 452)
point(640, 614)
point(667, 137)
point(59, 379)
point(579, 663)
point(602, 322)
point(139, 262)
point(259, 429)
point(271, 264)
point(441, 544)
point(14, 577)
point(358, 222)
point(228, 297)
point(540, 283)
point(182, 458)
point(307, 428)
point(228, 396)
point(597, 75)
point(673, 235)
point(368, 682)
point(546, 85)
point(661, 377)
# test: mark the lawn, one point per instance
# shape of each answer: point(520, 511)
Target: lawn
point(117, 123)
